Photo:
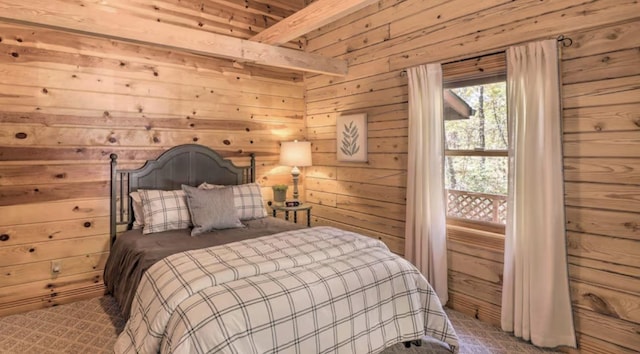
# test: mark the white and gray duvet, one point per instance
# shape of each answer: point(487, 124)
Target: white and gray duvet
point(317, 290)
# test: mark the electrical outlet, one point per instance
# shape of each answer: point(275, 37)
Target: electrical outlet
point(56, 267)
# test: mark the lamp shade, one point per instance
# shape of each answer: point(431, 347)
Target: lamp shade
point(295, 153)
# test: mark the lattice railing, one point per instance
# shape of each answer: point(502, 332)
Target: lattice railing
point(477, 206)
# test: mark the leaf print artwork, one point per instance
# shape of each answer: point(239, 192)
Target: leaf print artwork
point(350, 137)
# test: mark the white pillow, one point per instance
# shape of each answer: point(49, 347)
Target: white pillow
point(164, 210)
point(205, 185)
point(247, 198)
point(138, 213)
point(248, 201)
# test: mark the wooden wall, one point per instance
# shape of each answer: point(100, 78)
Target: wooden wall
point(68, 101)
point(601, 75)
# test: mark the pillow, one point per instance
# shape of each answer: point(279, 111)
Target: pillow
point(247, 198)
point(138, 213)
point(248, 201)
point(164, 210)
point(211, 209)
point(205, 185)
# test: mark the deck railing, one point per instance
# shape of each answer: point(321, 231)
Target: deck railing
point(477, 206)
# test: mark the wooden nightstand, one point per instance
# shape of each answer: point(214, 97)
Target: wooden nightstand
point(295, 210)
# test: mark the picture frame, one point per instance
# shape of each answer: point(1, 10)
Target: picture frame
point(351, 137)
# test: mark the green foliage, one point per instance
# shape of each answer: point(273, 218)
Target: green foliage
point(486, 130)
point(279, 187)
point(350, 139)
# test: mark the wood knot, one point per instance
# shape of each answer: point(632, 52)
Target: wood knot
point(631, 225)
point(226, 142)
point(156, 139)
point(597, 127)
point(600, 305)
point(31, 250)
point(61, 175)
point(4, 237)
point(45, 91)
point(76, 208)
point(87, 224)
point(15, 54)
point(112, 140)
point(21, 135)
point(195, 139)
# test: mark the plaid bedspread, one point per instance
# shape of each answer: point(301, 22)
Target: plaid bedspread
point(317, 290)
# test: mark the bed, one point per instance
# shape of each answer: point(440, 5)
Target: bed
point(263, 286)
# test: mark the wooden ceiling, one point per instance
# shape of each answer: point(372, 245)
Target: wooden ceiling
point(262, 32)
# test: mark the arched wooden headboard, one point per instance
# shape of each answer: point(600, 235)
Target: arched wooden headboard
point(189, 164)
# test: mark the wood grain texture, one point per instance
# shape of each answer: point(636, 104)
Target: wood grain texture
point(107, 22)
point(315, 15)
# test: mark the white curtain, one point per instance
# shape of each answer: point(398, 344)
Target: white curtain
point(425, 234)
point(536, 304)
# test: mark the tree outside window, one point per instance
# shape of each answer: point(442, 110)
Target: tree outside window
point(476, 162)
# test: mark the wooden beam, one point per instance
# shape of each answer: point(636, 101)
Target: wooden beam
point(318, 14)
point(94, 19)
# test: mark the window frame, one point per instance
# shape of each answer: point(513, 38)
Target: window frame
point(471, 72)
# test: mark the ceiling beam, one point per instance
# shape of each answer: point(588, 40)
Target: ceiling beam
point(94, 19)
point(316, 15)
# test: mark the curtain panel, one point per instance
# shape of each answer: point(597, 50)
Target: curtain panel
point(536, 302)
point(425, 233)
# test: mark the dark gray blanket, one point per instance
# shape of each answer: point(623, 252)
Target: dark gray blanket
point(133, 253)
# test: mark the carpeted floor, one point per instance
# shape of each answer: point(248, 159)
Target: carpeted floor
point(92, 326)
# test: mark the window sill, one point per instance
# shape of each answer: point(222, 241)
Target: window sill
point(490, 236)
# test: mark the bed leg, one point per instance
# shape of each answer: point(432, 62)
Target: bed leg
point(407, 344)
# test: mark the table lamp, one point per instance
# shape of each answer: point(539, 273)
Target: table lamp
point(297, 154)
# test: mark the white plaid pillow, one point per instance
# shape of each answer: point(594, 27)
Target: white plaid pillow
point(164, 210)
point(247, 197)
point(248, 200)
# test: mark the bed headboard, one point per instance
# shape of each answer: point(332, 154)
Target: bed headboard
point(189, 164)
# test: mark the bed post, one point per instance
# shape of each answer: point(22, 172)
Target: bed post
point(252, 178)
point(112, 200)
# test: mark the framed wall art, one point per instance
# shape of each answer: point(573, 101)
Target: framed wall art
point(352, 137)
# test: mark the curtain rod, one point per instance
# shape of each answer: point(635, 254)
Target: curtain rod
point(564, 40)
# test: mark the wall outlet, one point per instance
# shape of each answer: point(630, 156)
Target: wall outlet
point(56, 267)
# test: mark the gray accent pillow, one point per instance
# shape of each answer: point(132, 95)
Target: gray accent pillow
point(211, 209)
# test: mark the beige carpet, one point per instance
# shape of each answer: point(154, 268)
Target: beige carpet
point(92, 326)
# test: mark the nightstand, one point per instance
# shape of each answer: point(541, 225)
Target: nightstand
point(295, 210)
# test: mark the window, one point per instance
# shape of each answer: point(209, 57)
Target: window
point(476, 139)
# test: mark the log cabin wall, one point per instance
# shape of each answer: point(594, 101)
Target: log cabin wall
point(67, 101)
point(601, 87)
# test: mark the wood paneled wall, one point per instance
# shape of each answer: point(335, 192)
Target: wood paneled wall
point(601, 87)
point(68, 101)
